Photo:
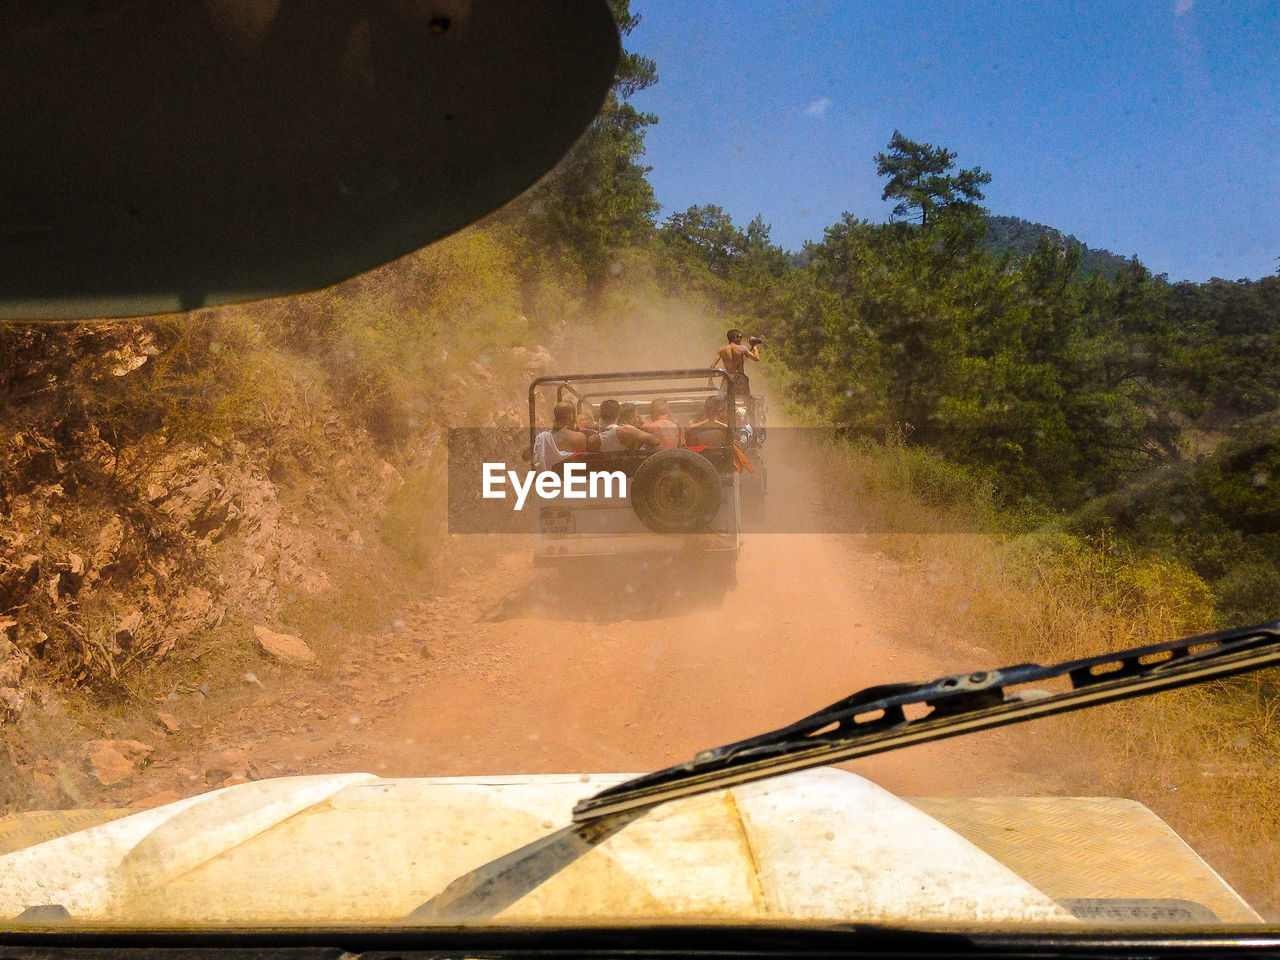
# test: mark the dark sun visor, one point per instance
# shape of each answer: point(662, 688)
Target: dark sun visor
point(168, 154)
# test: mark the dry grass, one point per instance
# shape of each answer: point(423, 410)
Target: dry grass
point(1201, 758)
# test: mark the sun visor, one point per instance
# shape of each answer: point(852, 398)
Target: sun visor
point(162, 155)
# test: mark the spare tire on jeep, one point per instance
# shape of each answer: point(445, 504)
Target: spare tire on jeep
point(676, 491)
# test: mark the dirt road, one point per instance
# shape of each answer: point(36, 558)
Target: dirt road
point(516, 670)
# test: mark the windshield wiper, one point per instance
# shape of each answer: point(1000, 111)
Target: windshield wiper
point(887, 717)
point(871, 721)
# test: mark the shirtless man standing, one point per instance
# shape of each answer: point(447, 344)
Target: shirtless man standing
point(730, 357)
point(661, 425)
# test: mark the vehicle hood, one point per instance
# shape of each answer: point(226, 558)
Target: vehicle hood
point(324, 850)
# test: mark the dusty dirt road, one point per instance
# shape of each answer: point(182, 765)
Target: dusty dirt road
point(516, 670)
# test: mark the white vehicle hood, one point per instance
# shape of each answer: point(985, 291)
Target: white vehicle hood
point(355, 849)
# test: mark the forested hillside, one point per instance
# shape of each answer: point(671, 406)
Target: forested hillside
point(1021, 237)
point(1121, 403)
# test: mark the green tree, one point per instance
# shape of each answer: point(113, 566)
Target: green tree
point(921, 181)
point(709, 235)
point(762, 259)
point(704, 233)
point(598, 200)
point(897, 337)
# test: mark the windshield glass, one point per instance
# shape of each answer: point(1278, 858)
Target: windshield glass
point(868, 347)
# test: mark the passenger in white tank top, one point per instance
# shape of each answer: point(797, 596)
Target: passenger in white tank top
point(615, 437)
point(610, 442)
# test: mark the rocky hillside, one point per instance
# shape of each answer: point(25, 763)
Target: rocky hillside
point(180, 493)
point(117, 552)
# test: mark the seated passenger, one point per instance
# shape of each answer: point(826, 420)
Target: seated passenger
point(561, 440)
point(662, 426)
point(615, 436)
point(711, 431)
point(551, 447)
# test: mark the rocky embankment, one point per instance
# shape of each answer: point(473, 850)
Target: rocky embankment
point(136, 533)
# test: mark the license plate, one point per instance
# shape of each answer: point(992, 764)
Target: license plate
point(557, 522)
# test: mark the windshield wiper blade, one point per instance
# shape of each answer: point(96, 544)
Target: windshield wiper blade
point(884, 718)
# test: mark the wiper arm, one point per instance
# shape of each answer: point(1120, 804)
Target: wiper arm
point(887, 717)
point(871, 721)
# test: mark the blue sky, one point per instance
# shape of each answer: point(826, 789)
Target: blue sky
point(1146, 126)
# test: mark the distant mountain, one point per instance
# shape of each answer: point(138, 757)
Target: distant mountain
point(1020, 237)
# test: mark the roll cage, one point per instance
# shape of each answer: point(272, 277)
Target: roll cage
point(568, 385)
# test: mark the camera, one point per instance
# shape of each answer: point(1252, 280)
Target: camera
point(755, 341)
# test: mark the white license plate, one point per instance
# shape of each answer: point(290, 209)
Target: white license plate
point(557, 524)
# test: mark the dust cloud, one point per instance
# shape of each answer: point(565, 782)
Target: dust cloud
point(644, 333)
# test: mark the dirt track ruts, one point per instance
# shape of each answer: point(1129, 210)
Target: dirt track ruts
point(521, 671)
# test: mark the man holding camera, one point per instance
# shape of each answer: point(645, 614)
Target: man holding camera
point(730, 357)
